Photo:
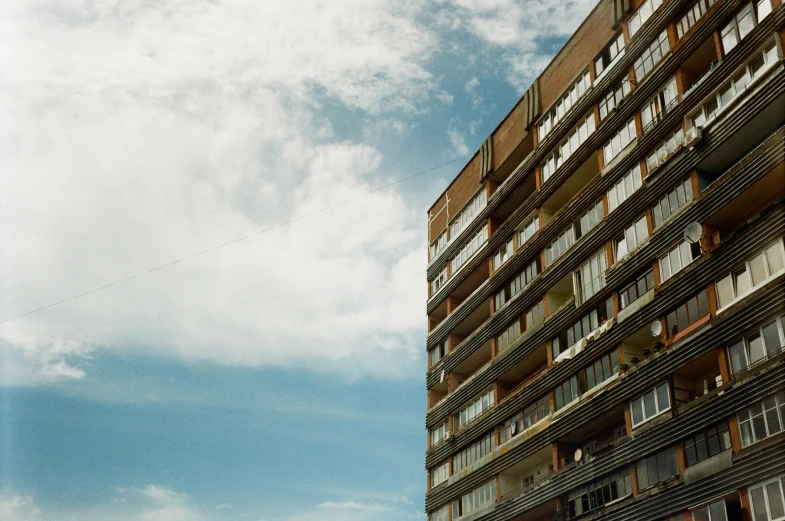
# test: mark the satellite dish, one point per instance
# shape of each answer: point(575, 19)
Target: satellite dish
point(693, 232)
point(656, 328)
point(578, 455)
point(441, 378)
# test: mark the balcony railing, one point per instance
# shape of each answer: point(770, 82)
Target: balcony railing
point(661, 115)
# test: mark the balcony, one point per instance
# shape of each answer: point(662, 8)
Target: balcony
point(701, 63)
point(696, 380)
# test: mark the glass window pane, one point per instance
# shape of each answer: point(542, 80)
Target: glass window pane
point(756, 349)
point(636, 407)
point(771, 337)
point(742, 281)
point(649, 404)
point(774, 494)
point(758, 270)
point(718, 511)
point(738, 356)
point(758, 504)
point(775, 259)
point(663, 401)
point(725, 293)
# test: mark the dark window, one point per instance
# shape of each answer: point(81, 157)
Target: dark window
point(632, 291)
point(516, 284)
point(707, 443)
point(657, 468)
point(579, 329)
point(687, 313)
point(598, 493)
point(587, 378)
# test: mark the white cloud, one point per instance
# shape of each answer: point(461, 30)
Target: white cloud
point(15, 507)
point(138, 133)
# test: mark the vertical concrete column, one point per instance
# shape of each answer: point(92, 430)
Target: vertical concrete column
point(722, 360)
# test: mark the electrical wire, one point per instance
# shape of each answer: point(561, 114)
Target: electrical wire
point(235, 241)
point(228, 304)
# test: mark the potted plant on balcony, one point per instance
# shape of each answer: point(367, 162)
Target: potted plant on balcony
point(646, 352)
point(623, 368)
point(658, 345)
point(635, 360)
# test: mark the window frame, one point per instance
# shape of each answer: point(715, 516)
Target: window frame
point(641, 397)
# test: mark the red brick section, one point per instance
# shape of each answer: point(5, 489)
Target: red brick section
point(580, 50)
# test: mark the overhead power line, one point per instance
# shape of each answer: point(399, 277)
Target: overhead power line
point(230, 304)
point(235, 241)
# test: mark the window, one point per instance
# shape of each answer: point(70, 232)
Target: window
point(710, 107)
point(657, 468)
point(535, 314)
point(762, 9)
point(763, 267)
point(659, 105)
point(737, 28)
point(516, 284)
point(712, 512)
point(643, 13)
point(582, 327)
point(440, 473)
point(767, 500)
point(587, 378)
point(687, 314)
point(693, 15)
point(707, 443)
point(468, 213)
point(614, 97)
point(468, 250)
point(637, 288)
point(765, 341)
point(564, 104)
point(473, 500)
point(439, 433)
point(665, 149)
point(508, 336)
point(502, 255)
point(624, 188)
point(650, 404)
point(590, 277)
point(528, 229)
point(438, 282)
point(591, 217)
point(599, 493)
point(619, 141)
point(762, 420)
point(560, 245)
point(672, 202)
point(677, 259)
point(525, 419)
point(630, 238)
point(566, 148)
point(607, 57)
point(473, 452)
point(474, 408)
point(437, 353)
point(442, 514)
point(651, 56)
point(438, 245)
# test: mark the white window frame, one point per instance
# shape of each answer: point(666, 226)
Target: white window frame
point(710, 513)
point(665, 149)
point(527, 230)
point(681, 194)
point(642, 15)
point(759, 352)
point(615, 50)
point(614, 97)
point(474, 452)
point(469, 249)
point(651, 57)
point(716, 103)
point(692, 16)
point(592, 268)
point(474, 499)
point(441, 514)
point(580, 86)
point(683, 250)
point(438, 245)
point(475, 408)
point(751, 286)
point(624, 187)
point(660, 411)
point(561, 153)
point(658, 106)
point(503, 254)
point(440, 473)
point(468, 213)
point(439, 433)
point(734, 31)
point(760, 415)
point(631, 238)
point(437, 353)
point(438, 281)
point(626, 134)
point(766, 488)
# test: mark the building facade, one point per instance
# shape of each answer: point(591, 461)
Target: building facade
point(606, 280)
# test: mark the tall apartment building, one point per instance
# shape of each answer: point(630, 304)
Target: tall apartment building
point(606, 312)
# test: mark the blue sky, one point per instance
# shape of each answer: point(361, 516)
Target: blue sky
point(133, 134)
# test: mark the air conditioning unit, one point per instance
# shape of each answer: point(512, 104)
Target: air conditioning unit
point(694, 136)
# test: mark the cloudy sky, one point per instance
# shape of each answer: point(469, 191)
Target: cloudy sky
point(277, 378)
